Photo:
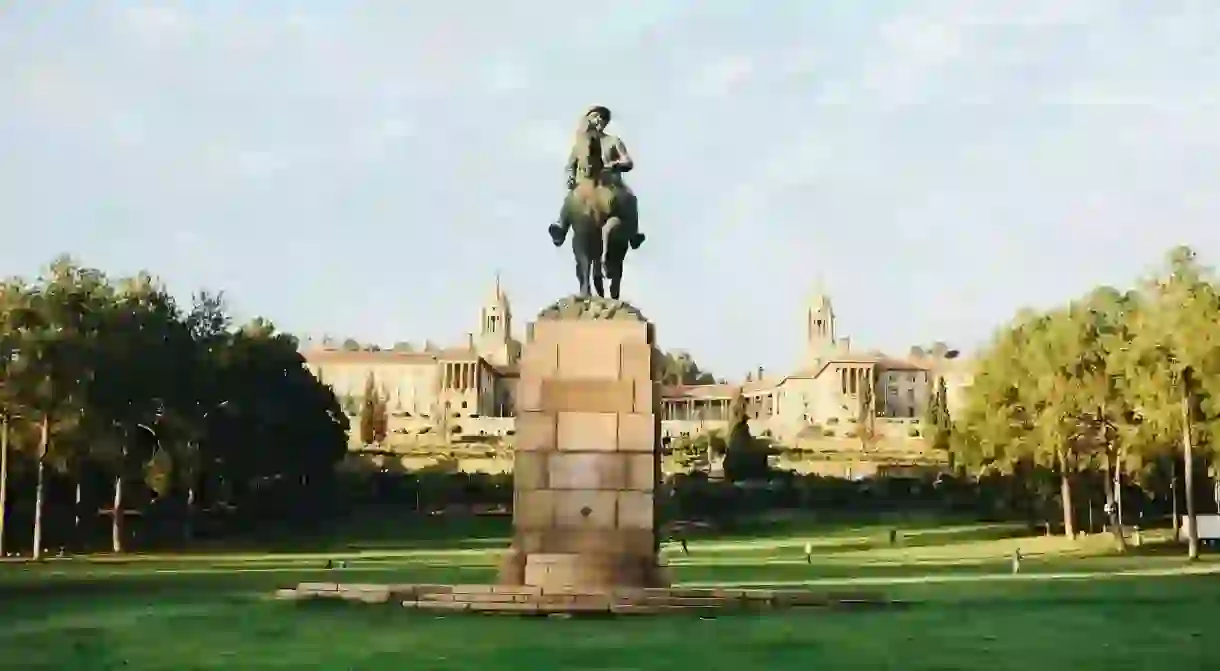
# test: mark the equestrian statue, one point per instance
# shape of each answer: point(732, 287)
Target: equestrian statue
point(599, 209)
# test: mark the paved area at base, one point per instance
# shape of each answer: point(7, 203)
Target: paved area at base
point(533, 600)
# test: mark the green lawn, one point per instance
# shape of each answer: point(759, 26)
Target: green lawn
point(1074, 606)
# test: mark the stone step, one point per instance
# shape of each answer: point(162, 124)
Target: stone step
point(578, 600)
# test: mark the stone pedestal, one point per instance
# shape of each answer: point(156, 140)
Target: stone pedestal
point(587, 462)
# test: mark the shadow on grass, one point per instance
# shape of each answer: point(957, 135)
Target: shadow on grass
point(808, 523)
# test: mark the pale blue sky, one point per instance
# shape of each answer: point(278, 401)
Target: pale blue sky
point(364, 168)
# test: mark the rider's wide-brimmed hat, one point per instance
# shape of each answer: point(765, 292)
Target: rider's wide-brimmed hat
point(604, 112)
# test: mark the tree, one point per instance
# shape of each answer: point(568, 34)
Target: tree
point(189, 419)
point(368, 412)
point(12, 294)
point(143, 335)
point(698, 452)
point(381, 418)
point(679, 368)
point(866, 415)
point(1090, 336)
point(1177, 340)
point(1101, 389)
point(59, 325)
point(937, 423)
point(745, 458)
point(109, 377)
point(1014, 417)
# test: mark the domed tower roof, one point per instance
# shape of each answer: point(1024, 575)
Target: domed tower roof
point(819, 301)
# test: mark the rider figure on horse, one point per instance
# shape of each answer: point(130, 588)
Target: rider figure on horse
point(614, 161)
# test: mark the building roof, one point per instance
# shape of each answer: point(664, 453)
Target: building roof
point(698, 391)
point(388, 357)
point(341, 356)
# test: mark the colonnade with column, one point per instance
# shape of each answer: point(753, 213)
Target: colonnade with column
point(853, 378)
point(758, 405)
point(460, 376)
point(711, 409)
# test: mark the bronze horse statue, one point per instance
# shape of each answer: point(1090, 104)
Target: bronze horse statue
point(603, 216)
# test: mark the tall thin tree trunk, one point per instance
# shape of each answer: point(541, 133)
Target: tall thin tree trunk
point(1112, 518)
point(188, 517)
point(116, 523)
point(76, 511)
point(3, 477)
point(1188, 475)
point(1173, 495)
point(44, 445)
point(1065, 492)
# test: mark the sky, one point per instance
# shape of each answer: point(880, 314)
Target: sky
point(365, 168)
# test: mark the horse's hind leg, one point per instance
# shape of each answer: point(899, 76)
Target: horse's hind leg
point(614, 267)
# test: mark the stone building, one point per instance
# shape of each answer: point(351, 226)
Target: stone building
point(464, 390)
point(468, 390)
point(824, 390)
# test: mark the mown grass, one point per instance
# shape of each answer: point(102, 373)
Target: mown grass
point(1072, 607)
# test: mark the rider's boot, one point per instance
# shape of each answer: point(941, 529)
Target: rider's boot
point(558, 233)
point(636, 240)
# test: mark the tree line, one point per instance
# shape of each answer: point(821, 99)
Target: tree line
point(1115, 389)
point(118, 403)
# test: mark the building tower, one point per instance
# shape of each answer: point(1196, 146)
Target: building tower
point(819, 328)
point(495, 342)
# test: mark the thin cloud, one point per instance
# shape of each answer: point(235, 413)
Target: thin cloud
point(845, 142)
point(505, 76)
point(154, 22)
point(721, 76)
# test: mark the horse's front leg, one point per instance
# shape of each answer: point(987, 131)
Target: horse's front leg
point(582, 278)
point(595, 271)
point(615, 274)
point(607, 233)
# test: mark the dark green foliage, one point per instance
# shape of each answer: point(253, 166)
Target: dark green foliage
point(745, 456)
point(368, 412)
point(153, 409)
point(938, 425)
point(679, 368)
